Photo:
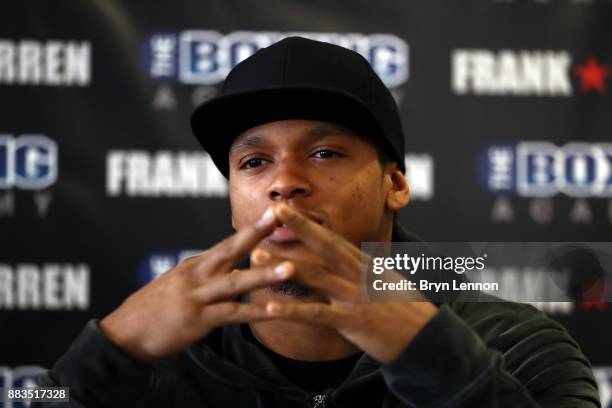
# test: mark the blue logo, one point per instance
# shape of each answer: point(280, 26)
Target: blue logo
point(205, 57)
point(541, 169)
point(28, 162)
point(158, 263)
point(18, 377)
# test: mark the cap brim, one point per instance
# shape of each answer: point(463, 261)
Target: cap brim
point(217, 122)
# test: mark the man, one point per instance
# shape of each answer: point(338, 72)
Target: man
point(311, 143)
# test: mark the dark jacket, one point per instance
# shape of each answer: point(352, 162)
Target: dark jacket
point(499, 354)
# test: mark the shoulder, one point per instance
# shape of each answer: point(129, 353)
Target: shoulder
point(504, 324)
point(535, 348)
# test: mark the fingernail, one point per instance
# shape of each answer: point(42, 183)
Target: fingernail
point(283, 269)
point(282, 209)
point(267, 218)
point(274, 308)
point(260, 256)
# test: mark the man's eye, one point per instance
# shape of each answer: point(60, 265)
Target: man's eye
point(251, 163)
point(326, 154)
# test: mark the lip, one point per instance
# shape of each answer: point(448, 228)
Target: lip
point(282, 234)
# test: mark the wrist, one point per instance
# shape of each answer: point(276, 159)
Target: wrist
point(120, 337)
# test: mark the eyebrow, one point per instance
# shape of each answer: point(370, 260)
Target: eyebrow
point(249, 141)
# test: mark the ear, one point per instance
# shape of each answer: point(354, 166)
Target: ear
point(398, 195)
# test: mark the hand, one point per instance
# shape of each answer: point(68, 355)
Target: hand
point(381, 329)
point(187, 302)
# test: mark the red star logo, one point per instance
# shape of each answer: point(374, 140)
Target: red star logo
point(589, 304)
point(593, 296)
point(592, 75)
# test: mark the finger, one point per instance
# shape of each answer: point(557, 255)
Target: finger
point(356, 251)
point(333, 287)
point(320, 239)
point(219, 314)
point(314, 313)
point(241, 281)
point(331, 246)
point(327, 281)
point(261, 257)
point(271, 255)
point(227, 252)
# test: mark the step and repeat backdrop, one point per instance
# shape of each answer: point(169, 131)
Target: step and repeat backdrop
point(506, 107)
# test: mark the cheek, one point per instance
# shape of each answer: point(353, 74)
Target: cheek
point(244, 204)
point(362, 200)
point(365, 198)
point(357, 194)
point(367, 189)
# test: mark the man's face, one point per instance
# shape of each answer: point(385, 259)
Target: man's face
point(328, 172)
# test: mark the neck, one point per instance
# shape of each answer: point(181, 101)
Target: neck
point(296, 340)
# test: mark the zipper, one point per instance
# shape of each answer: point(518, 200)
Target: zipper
point(321, 400)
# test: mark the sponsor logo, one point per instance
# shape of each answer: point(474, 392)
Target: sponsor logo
point(27, 162)
point(158, 263)
point(554, 308)
point(17, 377)
point(51, 63)
point(592, 75)
point(205, 57)
point(524, 73)
point(420, 175)
point(44, 287)
point(541, 169)
point(163, 174)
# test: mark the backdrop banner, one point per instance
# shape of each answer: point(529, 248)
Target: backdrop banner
point(505, 106)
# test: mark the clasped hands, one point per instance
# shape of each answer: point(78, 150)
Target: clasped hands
point(382, 329)
point(201, 293)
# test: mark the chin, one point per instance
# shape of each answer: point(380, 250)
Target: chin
point(292, 289)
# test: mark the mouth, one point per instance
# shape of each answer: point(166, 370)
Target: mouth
point(283, 235)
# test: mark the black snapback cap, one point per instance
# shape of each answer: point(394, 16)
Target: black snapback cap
point(299, 78)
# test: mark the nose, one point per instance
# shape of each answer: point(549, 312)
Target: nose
point(289, 182)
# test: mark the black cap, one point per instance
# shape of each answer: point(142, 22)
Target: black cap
point(298, 78)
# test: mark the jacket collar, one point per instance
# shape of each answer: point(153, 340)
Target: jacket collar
point(400, 234)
